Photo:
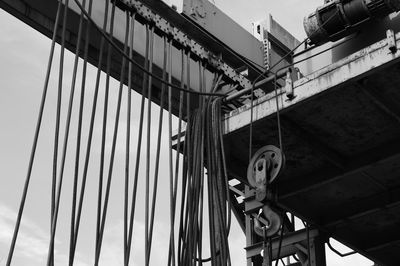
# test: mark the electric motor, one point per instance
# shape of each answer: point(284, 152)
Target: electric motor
point(339, 18)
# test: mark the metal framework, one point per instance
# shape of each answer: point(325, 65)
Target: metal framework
point(324, 146)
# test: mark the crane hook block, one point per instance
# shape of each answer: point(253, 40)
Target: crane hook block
point(265, 166)
point(273, 226)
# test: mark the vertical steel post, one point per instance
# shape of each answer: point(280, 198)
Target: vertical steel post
point(317, 254)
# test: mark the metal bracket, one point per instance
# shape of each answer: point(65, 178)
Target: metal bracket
point(294, 243)
point(391, 41)
point(289, 90)
point(267, 47)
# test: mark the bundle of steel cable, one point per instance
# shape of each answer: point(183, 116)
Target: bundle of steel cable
point(203, 149)
point(204, 136)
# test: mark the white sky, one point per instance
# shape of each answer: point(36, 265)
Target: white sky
point(23, 61)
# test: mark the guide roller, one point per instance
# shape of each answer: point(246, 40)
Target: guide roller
point(339, 18)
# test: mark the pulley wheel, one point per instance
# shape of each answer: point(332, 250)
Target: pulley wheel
point(265, 166)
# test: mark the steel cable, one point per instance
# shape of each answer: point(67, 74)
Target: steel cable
point(207, 148)
point(211, 205)
point(139, 146)
point(218, 188)
point(128, 138)
point(67, 128)
point(104, 135)
point(177, 158)
point(280, 242)
point(55, 195)
point(79, 135)
point(35, 139)
point(187, 156)
point(91, 129)
point(148, 147)
point(158, 150)
point(204, 138)
point(171, 256)
point(114, 140)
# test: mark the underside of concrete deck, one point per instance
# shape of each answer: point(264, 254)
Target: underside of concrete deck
point(341, 139)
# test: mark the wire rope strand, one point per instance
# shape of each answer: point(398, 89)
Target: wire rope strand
point(170, 159)
point(91, 128)
point(98, 220)
point(128, 139)
point(177, 158)
point(180, 114)
point(148, 148)
point(199, 178)
point(251, 124)
point(79, 138)
point(222, 148)
point(104, 137)
point(55, 195)
point(35, 140)
point(280, 243)
point(278, 116)
point(114, 142)
point(187, 157)
point(78, 143)
point(139, 146)
point(67, 127)
point(158, 148)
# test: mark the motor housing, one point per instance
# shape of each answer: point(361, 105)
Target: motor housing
point(339, 18)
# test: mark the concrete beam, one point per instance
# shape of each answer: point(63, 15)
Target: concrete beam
point(380, 102)
point(349, 69)
point(357, 165)
point(363, 207)
point(314, 142)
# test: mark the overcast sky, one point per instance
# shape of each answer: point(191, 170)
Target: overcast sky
point(23, 60)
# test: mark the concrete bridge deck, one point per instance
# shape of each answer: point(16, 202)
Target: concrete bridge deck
point(341, 139)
